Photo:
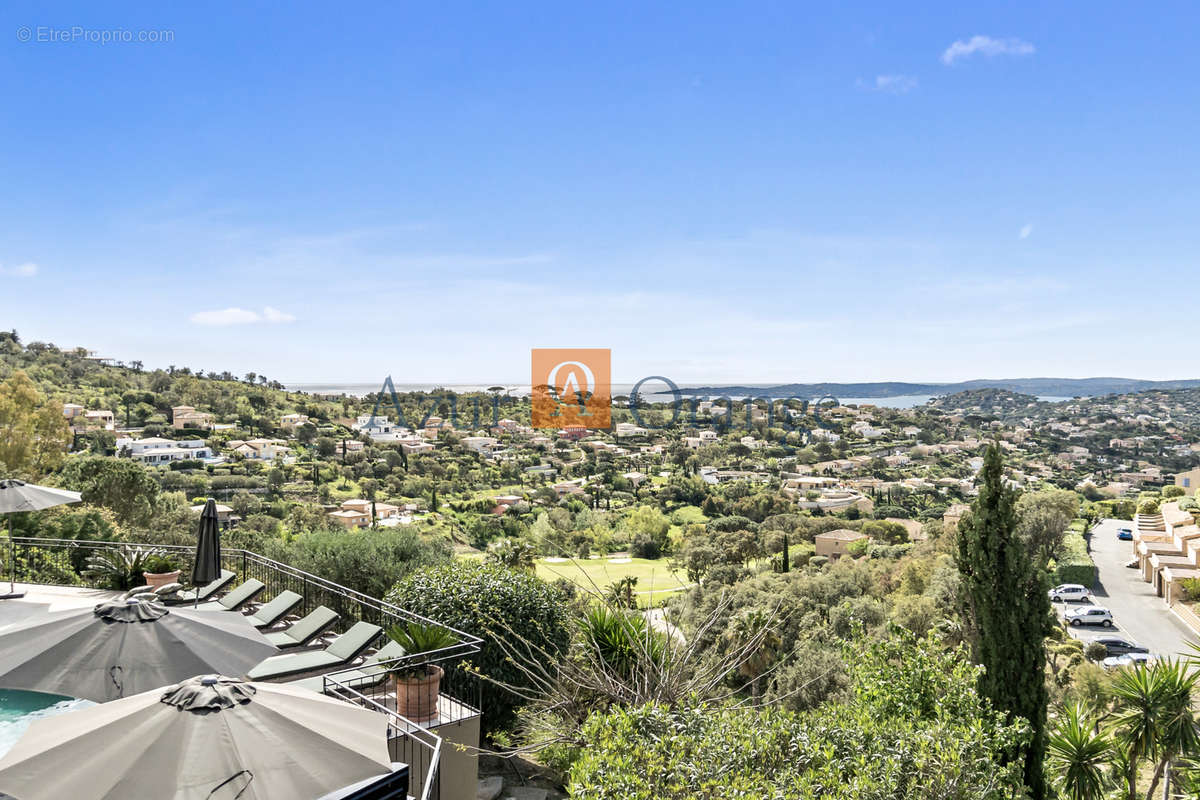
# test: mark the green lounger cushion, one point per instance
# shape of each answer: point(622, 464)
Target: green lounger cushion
point(208, 590)
point(292, 663)
point(277, 609)
point(305, 630)
point(369, 673)
point(236, 598)
point(340, 651)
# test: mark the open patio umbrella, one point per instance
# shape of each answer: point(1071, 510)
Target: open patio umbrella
point(207, 738)
point(18, 496)
point(121, 648)
point(207, 567)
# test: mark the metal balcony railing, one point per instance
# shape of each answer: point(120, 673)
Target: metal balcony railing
point(63, 562)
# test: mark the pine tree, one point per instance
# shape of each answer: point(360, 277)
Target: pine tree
point(1006, 599)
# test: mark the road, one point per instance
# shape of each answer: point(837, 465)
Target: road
point(1139, 614)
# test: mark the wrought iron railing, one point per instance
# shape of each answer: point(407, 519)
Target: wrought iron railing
point(414, 741)
point(63, 562)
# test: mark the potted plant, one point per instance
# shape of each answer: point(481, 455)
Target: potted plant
point(160, 569)
point(119, 568)
point(419, 686)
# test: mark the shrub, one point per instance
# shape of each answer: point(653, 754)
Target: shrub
point(858, 547)
point(1095, 651)
point(1074, 564)
point(645, 545)
point(913, 727)
point(1171, 492)
point(159, 563)
point(883, 512)
point(369, 561)
point(1148, 506)
point(493, 603)
point(1191, 588)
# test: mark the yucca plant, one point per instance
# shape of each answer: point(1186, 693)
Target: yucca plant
point(1154, 719)
point(1078, 755)
point(120, 568)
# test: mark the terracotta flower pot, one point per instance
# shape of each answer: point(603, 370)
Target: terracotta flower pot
point(417, 696)
point(157, 579)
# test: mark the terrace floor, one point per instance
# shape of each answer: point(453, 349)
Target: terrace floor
point(45, 599)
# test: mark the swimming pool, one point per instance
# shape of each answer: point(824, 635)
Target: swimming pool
point(18, 709)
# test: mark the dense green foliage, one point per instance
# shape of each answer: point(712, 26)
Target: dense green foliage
point(913, 727)
point(502, 606)
point(1073, 564)
point(369, 561)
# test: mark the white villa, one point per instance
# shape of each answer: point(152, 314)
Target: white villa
point(155, 450)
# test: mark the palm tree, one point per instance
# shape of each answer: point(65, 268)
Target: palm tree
point(1077, 754)
point(1136, 722)
point(752, 631)
point(1179, 735)
point(622, 593)
point(1154, 719)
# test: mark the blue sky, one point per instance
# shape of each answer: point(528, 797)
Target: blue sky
point(761, 193)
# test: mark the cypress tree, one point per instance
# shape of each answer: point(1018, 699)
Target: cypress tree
point(1005, 592)
point(786, 566)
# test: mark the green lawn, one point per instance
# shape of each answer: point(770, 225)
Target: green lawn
point(656, 580)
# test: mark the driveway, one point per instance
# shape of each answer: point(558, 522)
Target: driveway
point(1138, 612)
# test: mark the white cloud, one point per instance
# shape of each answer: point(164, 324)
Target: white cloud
point(26, 270)
point(240, 316)
point(986, 45)
point(892, 84)
point(1026, 230)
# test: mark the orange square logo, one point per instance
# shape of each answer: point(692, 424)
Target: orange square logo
point(572, 388)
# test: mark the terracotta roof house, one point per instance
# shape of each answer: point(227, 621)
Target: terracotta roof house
point(835, 544)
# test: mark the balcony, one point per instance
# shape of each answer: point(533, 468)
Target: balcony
point(54, 570)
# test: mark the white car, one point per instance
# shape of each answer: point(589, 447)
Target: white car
point(1127, 660)
point(1089, 615)
point(1069, 591)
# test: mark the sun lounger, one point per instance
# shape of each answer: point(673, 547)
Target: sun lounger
point(369, 673)
point(303, 631)
point(270, 613)
point(236, 598)
point(341, 650)
point(207, 591)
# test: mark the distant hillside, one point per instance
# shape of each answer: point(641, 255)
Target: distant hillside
point(985, 400)
point(1044, 387)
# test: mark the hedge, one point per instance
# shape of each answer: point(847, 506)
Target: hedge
point(1074, 564)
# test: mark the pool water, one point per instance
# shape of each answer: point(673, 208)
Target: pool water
point(19, 708)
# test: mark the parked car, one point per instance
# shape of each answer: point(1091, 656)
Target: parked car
point(1089, 615)
point(1125, 534)
point(1127, 660)
point(1116, 646)
point(1069, 591)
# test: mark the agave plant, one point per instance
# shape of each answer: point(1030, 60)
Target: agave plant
point(120, 568)
point(418, 638)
